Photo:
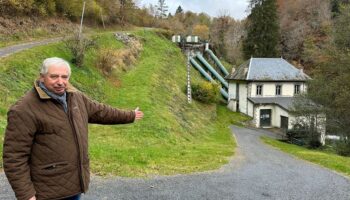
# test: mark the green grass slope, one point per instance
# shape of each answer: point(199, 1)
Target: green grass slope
point(326, 159)
point(174, 136)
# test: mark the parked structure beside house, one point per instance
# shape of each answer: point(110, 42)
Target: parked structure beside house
point(264, 88)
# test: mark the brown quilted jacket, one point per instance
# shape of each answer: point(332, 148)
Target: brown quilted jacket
point(46, 150)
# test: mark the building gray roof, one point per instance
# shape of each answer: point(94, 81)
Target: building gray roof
point(284, 102)
point(268, 69)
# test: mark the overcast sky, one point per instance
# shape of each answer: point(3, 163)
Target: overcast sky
point(235, 8)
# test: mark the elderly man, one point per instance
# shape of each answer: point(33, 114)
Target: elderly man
point(46, 141)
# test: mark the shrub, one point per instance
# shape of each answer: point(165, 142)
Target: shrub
point(303, 134)
point(135, 47)
point(205, 92)
point(108, 59)
point(119, 60)
point(165, 33)
point(297, 135)
point(342, 148)
point(314, 144)
point(78, 45)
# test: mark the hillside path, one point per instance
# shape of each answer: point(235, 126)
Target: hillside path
point(6, 51)
point(257, 171)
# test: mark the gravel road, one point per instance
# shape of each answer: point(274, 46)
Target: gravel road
point(257, 171)
point(16, 48)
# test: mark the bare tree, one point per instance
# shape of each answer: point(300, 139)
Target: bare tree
point(218, 31)
point(233, 42)
point(124, 10)
point(162, 9)
point(302, 20)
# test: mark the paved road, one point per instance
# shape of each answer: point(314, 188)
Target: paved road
point(256, 172)
point(16, 48)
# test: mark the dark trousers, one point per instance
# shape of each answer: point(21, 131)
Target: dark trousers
point(76, 197)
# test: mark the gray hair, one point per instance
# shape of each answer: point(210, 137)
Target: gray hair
point(48, 62)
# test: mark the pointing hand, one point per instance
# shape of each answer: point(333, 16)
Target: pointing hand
point(138, 114)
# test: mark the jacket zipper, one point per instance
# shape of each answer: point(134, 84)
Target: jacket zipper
point(78, 146)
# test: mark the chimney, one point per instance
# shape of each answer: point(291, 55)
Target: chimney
point(233, 70)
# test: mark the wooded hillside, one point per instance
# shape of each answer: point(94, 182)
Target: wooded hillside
point(109, 11)
point(303, 26)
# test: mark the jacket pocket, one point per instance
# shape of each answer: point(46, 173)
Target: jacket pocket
point(55, 168)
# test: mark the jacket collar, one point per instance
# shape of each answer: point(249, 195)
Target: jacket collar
point(42, 93)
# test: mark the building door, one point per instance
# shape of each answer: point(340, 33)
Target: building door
point(284, 123)
point(265, 117)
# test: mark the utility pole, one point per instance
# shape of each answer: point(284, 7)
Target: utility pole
point(81, 21)
point(189, 94)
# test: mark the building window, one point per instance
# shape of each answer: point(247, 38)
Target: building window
point(278, 89)
point(259, 89)
point(296, 89)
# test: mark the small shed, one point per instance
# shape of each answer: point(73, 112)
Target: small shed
point(176, 38)
point(192, 39)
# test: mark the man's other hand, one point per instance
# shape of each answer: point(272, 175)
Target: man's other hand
point(138, 114)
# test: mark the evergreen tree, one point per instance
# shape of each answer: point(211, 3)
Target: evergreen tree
point(179, 10)
point(262, 30)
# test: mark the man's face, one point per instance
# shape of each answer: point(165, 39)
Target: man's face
point(56, 79)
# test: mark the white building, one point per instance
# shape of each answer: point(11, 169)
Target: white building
point(263, 88)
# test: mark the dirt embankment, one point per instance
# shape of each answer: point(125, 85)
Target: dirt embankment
point(18, 28)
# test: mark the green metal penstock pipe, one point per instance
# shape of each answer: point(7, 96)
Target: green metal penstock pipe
point(207, 76)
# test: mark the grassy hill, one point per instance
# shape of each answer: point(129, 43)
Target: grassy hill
point(174, 136)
